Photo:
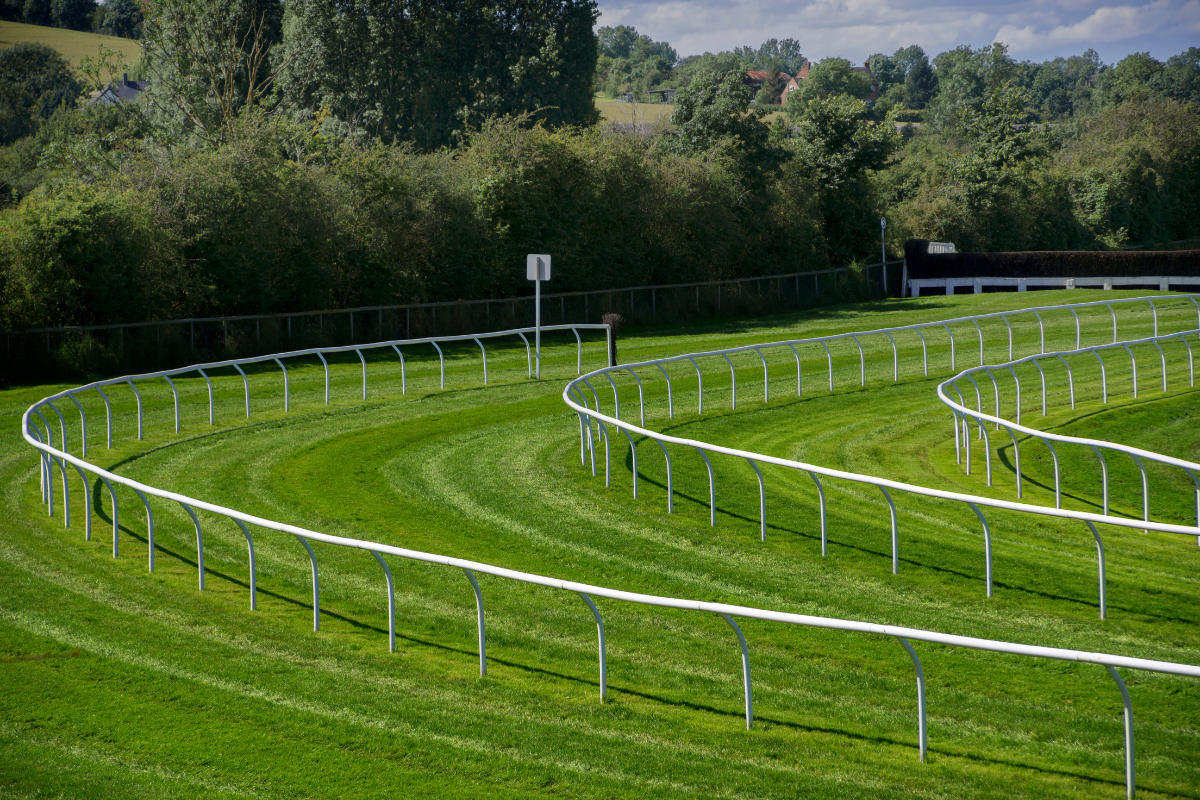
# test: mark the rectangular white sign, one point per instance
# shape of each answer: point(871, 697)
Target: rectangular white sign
point(531, 267)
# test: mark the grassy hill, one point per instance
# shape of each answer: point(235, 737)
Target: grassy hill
point(72, 44)
point(119, 683)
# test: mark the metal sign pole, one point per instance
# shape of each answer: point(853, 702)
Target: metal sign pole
point(537, 269)
point(883, 252)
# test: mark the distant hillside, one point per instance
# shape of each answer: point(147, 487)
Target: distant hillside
point(72, 44)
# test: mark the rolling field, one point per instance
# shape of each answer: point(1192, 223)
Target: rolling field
point(74, 45)
point(121, 683)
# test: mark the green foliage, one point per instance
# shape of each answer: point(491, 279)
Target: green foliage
point(965, 77)
point(73, 14)
point(34, 81)
point(831, 77)
point(209, 60)
point(79, 254)
point(837, 146)
point(121, 18)
point(428, 73)
point(631, 62)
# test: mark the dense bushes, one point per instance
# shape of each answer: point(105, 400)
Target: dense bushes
point(282, 219)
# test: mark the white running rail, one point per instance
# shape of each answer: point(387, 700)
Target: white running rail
point(50, 457)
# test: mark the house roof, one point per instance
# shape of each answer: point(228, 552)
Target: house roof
point(121, 91)
point(760, 76)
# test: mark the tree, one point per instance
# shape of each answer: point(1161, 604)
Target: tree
point(1180, 77)
point(886, 71)
point(831, 77)
point(627, 58)
point(428, 72)
point(782, 55)
point(712, 115)
point(838, 145)
point(36, 12)
point(773, 85)
point(1131, 79)
point(964, 78)
point(122, 18)
point(73, 14)
point(209, 60)
point(920, 83)
point(34, 81)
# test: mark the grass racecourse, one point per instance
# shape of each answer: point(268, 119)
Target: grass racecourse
point(115, 682)
point(73, 45)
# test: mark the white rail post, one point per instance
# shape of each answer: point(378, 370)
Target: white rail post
point(862, 361)
point(670, 488)
point(925, 352)
point(1016, 458)
point(479, 617)
point(1017, 381)
point(441, 363)
point(746, 687)
point(87, 501)
point(1100, 568)
point(528, 356)
point(1057, 473)
point(578, 353)
point(987, 545)
point(799, 386)
point(1114, 321)
point(616, 396)
point(108, 413)
point(149, 526)
point(762, 499)
point(829, 358)
point(712, 492)
point(1145, 488)
point(600, 639)
point(1103, 378)
point(1163, 357)
point(112, 496)
point(607, 453)
point(1041, 331)
point(253, 570)
point(1041, 373)
point(766, 379)
point(246, 384)
point(1154, 313)
point(483, 353)
point(387, 573)
point(951, 334)
point(895, 532)
point(1191, 361)
point(641, 395)
point(895, 358)
point(699, 386)
point(199, 543)
point(670, 394)
point(1129, 776)
point(1078, 334)
point(980, 331)
point(732, 384)
point(287, 394)
point(316, 586)
point(137, 395)
point(922, 731)
point(174, 394)
point(1071, 379)
point(82, 423)
point(1008, 325)
point(325, 364)
point(633, 458)
point(364, 372)
point(821, 497)
point(403, 376)
point(211, 416)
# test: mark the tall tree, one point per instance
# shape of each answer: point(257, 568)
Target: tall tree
point(965, 77)
point(34, 81)
point(831, 77)
point(427, 72)
point(122, 18)
point(75, 15)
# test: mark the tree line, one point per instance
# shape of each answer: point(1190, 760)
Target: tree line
point(296, 157)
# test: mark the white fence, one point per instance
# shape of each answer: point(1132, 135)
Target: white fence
point(52, 457)
point(1163, 282)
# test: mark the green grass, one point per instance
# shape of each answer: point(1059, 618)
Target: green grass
point(74, 45)
point(125, 684)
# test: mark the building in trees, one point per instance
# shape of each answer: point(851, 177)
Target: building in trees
point(794, 84)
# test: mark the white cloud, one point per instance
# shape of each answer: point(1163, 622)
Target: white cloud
point(856, 28)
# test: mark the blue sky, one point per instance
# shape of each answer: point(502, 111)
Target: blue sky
point(854, 29)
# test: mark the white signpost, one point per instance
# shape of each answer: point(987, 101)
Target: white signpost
point(883, 252)
point(537, 269)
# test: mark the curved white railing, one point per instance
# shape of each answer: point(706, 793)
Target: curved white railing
point(962, 413)
point(51, 456)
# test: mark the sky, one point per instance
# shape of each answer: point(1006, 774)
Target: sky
point(1036, 30)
